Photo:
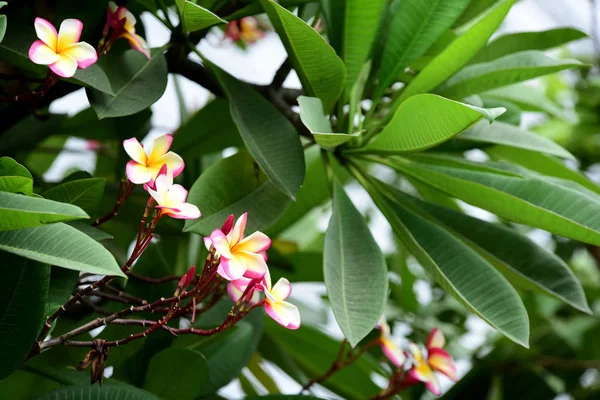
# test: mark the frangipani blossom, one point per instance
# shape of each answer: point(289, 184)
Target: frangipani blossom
point(245, 30)
point(171, 198)
point(145, 168)
point(122, 22)
point(437, 360)
point(284, 313)
point(61, 50)
point(391, 350)
point(235, 290)
point(240, 255)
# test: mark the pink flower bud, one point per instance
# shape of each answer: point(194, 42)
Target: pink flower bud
point(228, 224)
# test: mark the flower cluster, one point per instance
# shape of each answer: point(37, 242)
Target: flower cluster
point(244, 31)
point(420, 366)
point(122, 22)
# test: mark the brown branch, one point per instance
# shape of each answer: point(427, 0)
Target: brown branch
point(154, 281)
point(125, 190)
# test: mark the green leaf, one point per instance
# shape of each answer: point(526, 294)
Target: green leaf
point(519, 258)
point(552, 205)
point(9, 167)
point(360, 27)
point(89, 230)
point(112, 391)
point(18, 211)
point(269, 136)
point(458, 53)
point(456, 267)
point(235, 185)
point(62, 284)
point(355, 270)
point(510, 135)
point(516, 42)
point(61, 245)
point(474, 9)
point(504, 71)
point(416, 25)
point(136, 82)
point(2, 27)
point(426, 120)
point(320, 70)
point(195, 17)
point(84, 193)
point(283, 397)
point(177, 374)
point(311, 114)
point(16, 184)
point(23, 292)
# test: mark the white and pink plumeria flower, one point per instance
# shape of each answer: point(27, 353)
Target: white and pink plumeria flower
point(171, 198)
point(122, 22)
point(392, 351)
point(144, 168)
point(240, 256)
point(61, 50)
point(235, 290)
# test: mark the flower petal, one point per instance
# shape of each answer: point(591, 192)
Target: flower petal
point(69, 33)
point(155, 195)
point(433, 385)
point(46, 32)
point(83, 53)
point(207, 242)
point(138, 174)
point(416, 353)
point(160, 147)
point(255, 243)
point(138, 43)
point(231, 269)
point(256, 267)
point(187, 211)
point(219, 241)
point(233, 292)
point(176, 196)
point(383, 327)
point(228, 224)
point(129, 20)
point(163, 184)
point(284, 313)
point(442, 362)
point(40, 53)
point(65, 66)
point(237, 233)
point(134, 149)
point(282, 289)
point(173, 161)
point(436, 339)
point(392, 352)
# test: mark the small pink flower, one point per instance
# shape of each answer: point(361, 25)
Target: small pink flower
point(235, 290)
point(284, 313)
point(171, 198)
point(122, 22)
point(437, 360)
point(61, 50)
point(391, 350)
point(240, 256)
point(245, 30)
point(145, 168)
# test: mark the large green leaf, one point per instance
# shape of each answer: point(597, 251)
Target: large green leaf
point(84, 193)
point(9, 167)
point(112, 391)
point(504, 71)
point(355, 270)
point(455, 266)
point(18, 211)
point(519, 258)
point(320, 70)
point(427, 120)
point(268, 135)
point(195, 17)
point(177, 374)
point(311, 114)
point(62, 284)
point(136, 82)
point(62, 245)
point(23, 292)
point(16, 184)
point(567, 210)
point(235, 185)
point(515, 42)
point(415, 26)
point(458, 53)
point(510, 135)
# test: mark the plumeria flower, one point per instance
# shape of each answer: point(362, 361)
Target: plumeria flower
point(122, 22)
point(284, 313)
point(145, 168)
point(240, 255)
point(245, 30)
point(391, 350)
point(235, 290)
point(437, 360)
point(61, 51)
point(171, 198)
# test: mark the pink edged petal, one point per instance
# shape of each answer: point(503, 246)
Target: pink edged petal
point(169, 210)
point(40, 53)
point(163, 183)
point(266, 282)
point(138, 43)
point(83, 53)
point(233, 292)
point(433, 386)
point(160, 148)
point(65, 66)
point(284, 313)
point(256, 267)
point(442, 362)
point(255, 298)
point(392, 352)
point(129, 20)
point(46, 32)
point(176, 195)
point(155, 195)
point(138, 174)
point(69, 33)
point(242, 283)
point(187, 211)
point(173, 161)
point(383, 326)
point(219, 240)
point(232, 269)
point(134, 149)
point(207, 242)
point(416, 353)
point(255, 243)
point(436, 339)
point(237, 233)
point(282, 289)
